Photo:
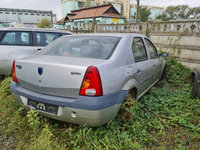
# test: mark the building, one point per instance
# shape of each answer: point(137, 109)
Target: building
point(126, 8)
point(23, 17)
point(122, 6)
point(83, 18)
point(68, 5)
point(155, 11)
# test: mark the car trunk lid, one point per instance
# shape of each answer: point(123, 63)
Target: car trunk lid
point(53, 75)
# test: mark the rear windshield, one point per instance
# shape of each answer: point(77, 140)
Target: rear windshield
point(89, 47)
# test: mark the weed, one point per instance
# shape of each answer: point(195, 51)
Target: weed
point(164, 118)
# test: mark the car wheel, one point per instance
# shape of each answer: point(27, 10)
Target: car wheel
point(128, 102)
point(2, 77)
point(194, 86)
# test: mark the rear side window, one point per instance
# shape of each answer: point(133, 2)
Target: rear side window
point(44, 39)
point(152, 50)
point(139, 50)
point(16, 38)
point(62, 34)
point(97, 47)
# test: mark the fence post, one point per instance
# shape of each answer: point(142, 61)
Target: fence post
point(95, 28)
point(147, 30)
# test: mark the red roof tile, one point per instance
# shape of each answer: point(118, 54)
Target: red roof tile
point(106, 10)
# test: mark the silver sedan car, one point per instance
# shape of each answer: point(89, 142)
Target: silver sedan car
point(84, 79)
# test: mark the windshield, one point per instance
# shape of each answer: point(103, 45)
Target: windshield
point(98, 47)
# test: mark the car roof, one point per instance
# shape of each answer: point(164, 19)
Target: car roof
point(110, 34)
point(34, 29)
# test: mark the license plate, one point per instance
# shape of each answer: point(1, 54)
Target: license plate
point(43, 107)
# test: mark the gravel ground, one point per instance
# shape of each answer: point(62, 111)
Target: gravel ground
point(7, 143)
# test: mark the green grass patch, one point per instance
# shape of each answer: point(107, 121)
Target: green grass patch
point(164, 118)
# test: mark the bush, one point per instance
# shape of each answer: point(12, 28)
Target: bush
point(176, 73)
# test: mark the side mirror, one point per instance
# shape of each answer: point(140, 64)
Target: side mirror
point(163, 54)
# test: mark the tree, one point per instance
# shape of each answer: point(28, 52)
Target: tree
point(179, 12)
point(144, 14)
point(195, 13)
point(137, 11)
point(184, 11)
point(45, 23)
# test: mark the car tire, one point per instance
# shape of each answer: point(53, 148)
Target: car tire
point(194, 82)
point(128, 102)
point(2, 77)
point(163, 73)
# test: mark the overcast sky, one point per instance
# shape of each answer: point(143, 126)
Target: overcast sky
point(54, 5)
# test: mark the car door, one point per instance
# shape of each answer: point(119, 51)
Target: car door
point(154, 59)
point(14, 45)
point(142, 68)
point(41, 39)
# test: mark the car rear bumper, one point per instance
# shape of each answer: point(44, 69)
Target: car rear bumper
point(93, 111)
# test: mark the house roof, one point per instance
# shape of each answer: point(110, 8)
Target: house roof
point(106, 10)
point(61, 21)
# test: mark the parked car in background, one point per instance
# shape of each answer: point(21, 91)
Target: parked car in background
point(84, 79)
point(195, 79)
point(16, 43)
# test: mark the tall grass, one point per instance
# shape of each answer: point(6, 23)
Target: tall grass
point(164, 118)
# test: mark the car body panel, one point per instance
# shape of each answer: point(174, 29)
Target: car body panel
point(78, 116)
point(88, 110)
point(80, 102)
point(119, 74)
point(70, 73)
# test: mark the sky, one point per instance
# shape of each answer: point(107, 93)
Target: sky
point(54, 5)
point(165, 3)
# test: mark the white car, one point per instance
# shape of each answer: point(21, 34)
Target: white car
point(17, 43)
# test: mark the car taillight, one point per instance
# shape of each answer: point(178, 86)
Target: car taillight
point(91, 85)
point(14, 72)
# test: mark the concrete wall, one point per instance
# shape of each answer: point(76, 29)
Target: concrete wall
point(181, 39)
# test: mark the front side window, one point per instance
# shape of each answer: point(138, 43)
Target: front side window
point(152, 50)
point(16, 38)
point(139, 50)
point(44, 39)
point(97, 47)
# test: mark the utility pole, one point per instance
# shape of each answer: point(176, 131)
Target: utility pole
point(51, 18)
point(93, 23)
point(137, 11)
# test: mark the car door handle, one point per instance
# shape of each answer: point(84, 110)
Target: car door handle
point(39, 49)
